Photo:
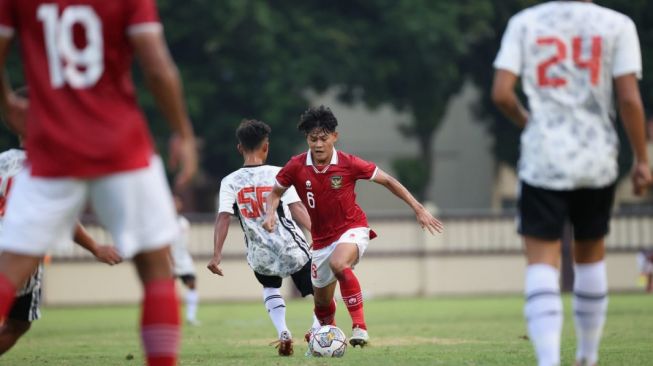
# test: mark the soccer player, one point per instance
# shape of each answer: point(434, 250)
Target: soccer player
point(325, 180)
point(272, 256)
point(86, 137)
point(183, 266)
point(569, 55)
point(26, 307)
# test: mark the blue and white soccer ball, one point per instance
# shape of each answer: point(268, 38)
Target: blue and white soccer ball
point(328, 341)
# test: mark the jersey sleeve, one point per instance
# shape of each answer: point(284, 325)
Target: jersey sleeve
point(7, 18)
point(290, 196)
point(363, 169)
point(227, 198)
point(143, 17)
point(510, 56)
point(285, 177)
point(627, 53)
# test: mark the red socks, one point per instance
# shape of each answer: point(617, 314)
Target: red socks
point(7, 296)
point(350, 290)
point(160, 323)
point(326, 314)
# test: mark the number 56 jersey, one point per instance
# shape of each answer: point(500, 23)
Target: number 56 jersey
point(567, 54)
point(243, 194)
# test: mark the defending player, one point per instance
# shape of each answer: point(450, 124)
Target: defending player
point(26, 307)
point(183, 266)
point(569, 55)
point(86, 137)
point(325, 180)
point(272, 256)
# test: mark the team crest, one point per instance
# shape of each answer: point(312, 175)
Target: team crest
point(336, 182)
point(308, 184)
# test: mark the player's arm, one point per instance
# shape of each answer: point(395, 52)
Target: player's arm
point(632, 116)
point(163, 81)
point(425, 219)
point(300, 214)
point(271, 204)
point(220, 231)
point(505, 98)
point(103, 253)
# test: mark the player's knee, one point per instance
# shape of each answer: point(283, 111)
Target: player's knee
point(337, 266)
point(15, 328)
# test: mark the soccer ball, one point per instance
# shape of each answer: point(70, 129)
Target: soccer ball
point(328, 341)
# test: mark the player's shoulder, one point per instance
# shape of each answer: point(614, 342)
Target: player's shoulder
point(347, 158)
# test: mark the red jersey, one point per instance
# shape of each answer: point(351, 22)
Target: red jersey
point(328, 193)
point(83, 119)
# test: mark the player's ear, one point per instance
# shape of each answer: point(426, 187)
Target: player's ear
point(240, 148)
point(335, 136)
point(266, 146)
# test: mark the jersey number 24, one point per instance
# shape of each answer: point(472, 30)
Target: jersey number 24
point(592, 64)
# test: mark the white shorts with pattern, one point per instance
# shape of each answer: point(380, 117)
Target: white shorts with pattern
point(134, 206)
point(321, 273)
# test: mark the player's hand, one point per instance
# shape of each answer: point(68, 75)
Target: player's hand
point(641, 178)
point(17, 114)
point(107, 254)
point(427, 221)
point(269, 223)
point(214, 267)
point(183, 155)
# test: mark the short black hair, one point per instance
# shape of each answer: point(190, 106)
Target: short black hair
point(317, 117)
point(251, 133)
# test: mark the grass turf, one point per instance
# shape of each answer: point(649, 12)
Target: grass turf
point(435, 331)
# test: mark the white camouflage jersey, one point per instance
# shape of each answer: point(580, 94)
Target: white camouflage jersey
point(243, 193)
point(568, 53)
point(181, 258)
point(11, 162)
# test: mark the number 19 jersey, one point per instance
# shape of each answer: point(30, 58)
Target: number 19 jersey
point(243, 193)
point(83, 119)
point(568, 53)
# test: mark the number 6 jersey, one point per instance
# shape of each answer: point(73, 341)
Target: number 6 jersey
point(567, 54)
point(83, 119)
point(243, 193)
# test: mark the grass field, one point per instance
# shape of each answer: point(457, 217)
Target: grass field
point(439, 331)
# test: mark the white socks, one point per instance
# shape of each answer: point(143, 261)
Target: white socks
point(590, 304)
point(276, 308)
point(192, 298)
point(543, 312)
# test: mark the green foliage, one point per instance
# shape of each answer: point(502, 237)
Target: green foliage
point(412, 172)
point(443, 331)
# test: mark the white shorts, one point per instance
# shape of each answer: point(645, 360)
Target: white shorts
point(135, 207)
point(321, 273)
point(182, 261)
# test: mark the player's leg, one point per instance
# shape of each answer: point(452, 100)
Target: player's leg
point(276, 308)
point(541, 219)
point(324, 285)
point(25, 309)
point(137, 208)
point(191, 298)
point(302, 280)
point(590, 214)
point(15, 270)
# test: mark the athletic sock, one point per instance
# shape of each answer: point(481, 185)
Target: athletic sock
point(192, 298)
point(543, 312)
point(160, 323)
point(7, 296)
point(326, 315)
point(276, 308)
point(350, 290)
point(590, 303)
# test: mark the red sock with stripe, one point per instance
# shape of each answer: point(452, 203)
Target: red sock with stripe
point(326, 315)
point(160, 323)
point(7, 296)
point(350, 290)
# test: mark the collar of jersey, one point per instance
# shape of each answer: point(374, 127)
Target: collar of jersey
point(253, 166)
point(334, 161)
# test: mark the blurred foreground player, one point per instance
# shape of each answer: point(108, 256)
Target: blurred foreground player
point(271, 255)
point(325, 180)
point(86, 137)
point(569, 55)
